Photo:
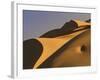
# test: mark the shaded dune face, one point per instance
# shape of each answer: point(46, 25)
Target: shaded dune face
point(32, 50)
point(74, 53)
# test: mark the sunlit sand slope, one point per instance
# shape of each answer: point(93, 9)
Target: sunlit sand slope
point(77, 53)
point(51, 45)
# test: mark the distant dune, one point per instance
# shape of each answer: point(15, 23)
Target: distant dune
point(67, 28)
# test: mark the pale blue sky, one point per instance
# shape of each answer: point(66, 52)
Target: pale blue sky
point(35, 23)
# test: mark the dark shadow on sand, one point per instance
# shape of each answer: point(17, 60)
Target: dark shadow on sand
point(32, 50)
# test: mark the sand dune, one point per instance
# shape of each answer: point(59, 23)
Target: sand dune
point(51, 45)
point(49, 50)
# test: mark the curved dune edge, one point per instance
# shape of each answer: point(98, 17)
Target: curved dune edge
point(82, 23)
point(51, 45)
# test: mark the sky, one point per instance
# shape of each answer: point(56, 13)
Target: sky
point(36, 23)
